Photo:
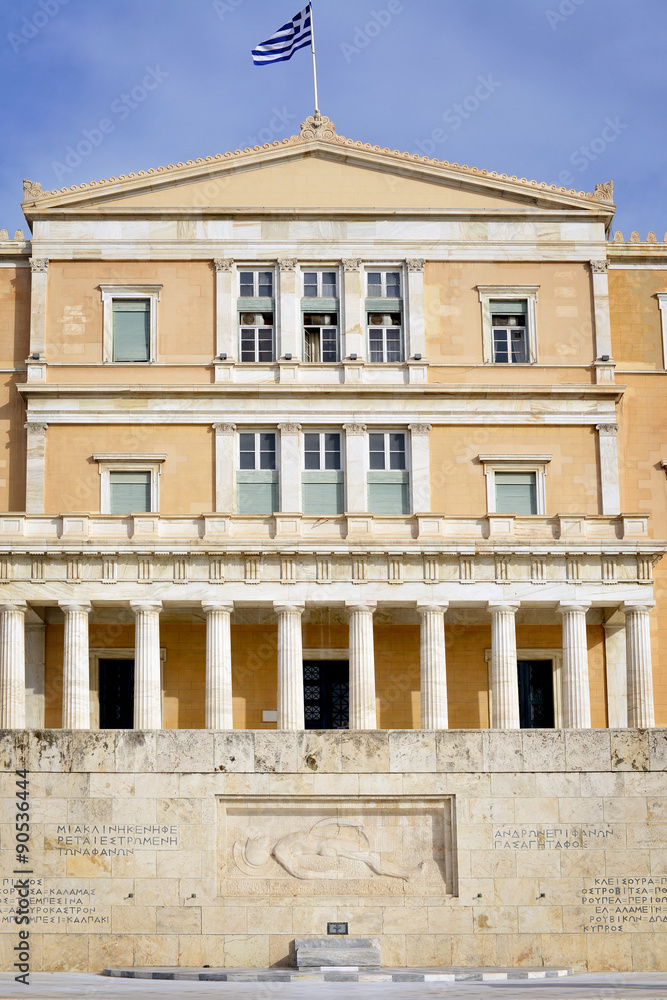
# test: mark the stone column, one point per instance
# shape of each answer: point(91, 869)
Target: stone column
point(225, 479)
point(615, 656)
point(226, 322)
point(290, 336)
point(354, 303)
point(12, 666)
point(356, 491)
point(39, 278)
point(34, 674)
point(290, 468)
point(504, 670)
point(290, 666)
point(641, 712)
point(433, 667)
point(600, 279)
point(147, 681)
point(34, 466)
point(420, 472)
point(76, 667)
point(415, 334)
point(576, 692)
point(609, 479)
point(218, 665)
point(362, 666)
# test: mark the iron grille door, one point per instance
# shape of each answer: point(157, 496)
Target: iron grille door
point(536, 694)
point(326, 691)
point(116, 686)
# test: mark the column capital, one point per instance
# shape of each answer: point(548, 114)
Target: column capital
point(367, 606)
point(217, 606)
point(139, 606)
point(281, 607)
point(351, 263)
point(223, 263)
point(354, 429)
point(423, 607)
point(75, 606)
point(288, 263)
point(39, 265)
point(511, 607)
point(15, 606)
point(646, 606)
point(420, 428)
point(565, 606)
point(611, 430)
point(415, 263)
point(599, 266)
point(36, 426)
point(289, 428)
point(227, 429)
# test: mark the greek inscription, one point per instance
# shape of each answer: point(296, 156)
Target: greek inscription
point(549, 838)
point(620, 904)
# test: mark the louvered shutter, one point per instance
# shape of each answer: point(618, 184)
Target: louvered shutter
point(323, 493)
point(516, 493)
point(130, 492)
point(389, 493)
point(257, 492)
point(131, 329)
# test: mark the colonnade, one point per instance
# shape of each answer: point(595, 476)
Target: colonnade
point(362, 714)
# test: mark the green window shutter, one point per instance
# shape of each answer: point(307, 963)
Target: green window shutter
point(389, 493)
point(516, 493)
point(130, 492)
point(257, 492)
point(323, 493)
point(131, 329)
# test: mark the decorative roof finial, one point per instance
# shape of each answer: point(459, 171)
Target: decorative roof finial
point(605, 192)
point(32, 190)
point(318, 126)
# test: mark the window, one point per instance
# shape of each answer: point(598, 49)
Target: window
point(515, 484)
point(256, 284)
point(388, 480)
point(130, 492)
point(384, 336)
point(509, 322)
point(130, 322)
point(320, 333)
point(256, 336)
point(384, 284)
point(320, 284)
point(257, 478)
point(323, 482)
point(129, 483)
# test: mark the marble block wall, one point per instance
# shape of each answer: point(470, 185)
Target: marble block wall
point(463, 847)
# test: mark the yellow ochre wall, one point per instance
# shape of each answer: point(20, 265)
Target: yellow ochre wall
point(14, 346)
point(636, 331)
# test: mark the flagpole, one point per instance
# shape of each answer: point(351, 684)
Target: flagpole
point(312, 49)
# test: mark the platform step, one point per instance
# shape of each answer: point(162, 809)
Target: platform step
point(330, 975)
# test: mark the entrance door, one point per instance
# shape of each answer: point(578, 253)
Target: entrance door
point(326, 688)
point(116, 694)
point(536, 694)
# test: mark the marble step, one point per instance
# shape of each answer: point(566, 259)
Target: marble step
point(329, 975)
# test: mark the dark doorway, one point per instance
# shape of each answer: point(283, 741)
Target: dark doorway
point(536, 694)
point(326, 691)
point(116, 687)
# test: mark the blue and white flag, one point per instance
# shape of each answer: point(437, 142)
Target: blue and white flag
point(296, 34)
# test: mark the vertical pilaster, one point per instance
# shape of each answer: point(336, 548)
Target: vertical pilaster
point(354, 303)
point(504, 670)
point(434, 714)
point(34, 467)
point(290, 666)
point(420, 474)
point(356, 492)
point(576, 693)
point(641, 712)
point(225, 467)
point(39, 280)
point(362, 666)
point(12, 666)
point(415, 333)
point(226, 322)
point(76, 669)
point(609, 476)
point(147, 681)
point(290, 468)
point(219, 713)
point(290, 309)
point(600, 282)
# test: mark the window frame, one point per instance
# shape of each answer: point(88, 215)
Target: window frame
point(509, 293)
point(333, 326)
point(387, 475)
point(108, 463)
point(255, 268)
point(321, 431)
point(245, 326)
point(516, 463)
point(662, 306)
point(111, 292)
point(257, 476)
point(384, 270)
point(319, 269)
point(384, 328)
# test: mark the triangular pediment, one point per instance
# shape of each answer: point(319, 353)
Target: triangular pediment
point(315, 170)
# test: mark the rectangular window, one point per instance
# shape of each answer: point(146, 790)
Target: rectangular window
point(388, 479)
point(256, 284)
point(323, 483)
point(509, 331)
point(131, 329)
point(320, 332)
point(257, 478)
point(130, 492)
point(384, 337)
point(384, 284)
point(516, 492)
point(320, 284)
point(256, 336)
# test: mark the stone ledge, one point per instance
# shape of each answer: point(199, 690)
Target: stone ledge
point(277, 975)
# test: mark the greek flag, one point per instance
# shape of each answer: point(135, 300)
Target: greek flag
point(296, 34)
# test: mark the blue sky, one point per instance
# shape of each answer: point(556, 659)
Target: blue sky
point(564, 91)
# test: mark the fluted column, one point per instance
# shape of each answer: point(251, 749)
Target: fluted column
point(576, 692)
point(362, 666)
point(147, 686)
point(641, 712)
point(12, 666)
point(433, 666)
point(218, 665)
point(504, 670)
point(76, 668)
point(290, 666)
